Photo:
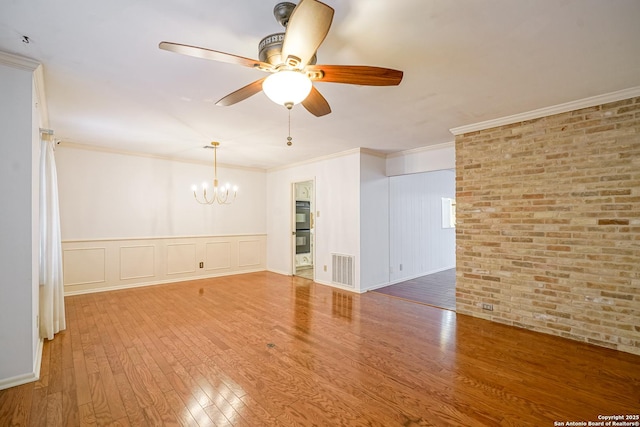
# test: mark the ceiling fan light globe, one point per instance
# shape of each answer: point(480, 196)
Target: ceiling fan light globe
point(287, 87)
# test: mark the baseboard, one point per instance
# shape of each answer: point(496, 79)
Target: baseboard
point(404, 279)
point(337, 286)
point(37, 364)
point(154, 283)
point(28, 377)
point(284, 273)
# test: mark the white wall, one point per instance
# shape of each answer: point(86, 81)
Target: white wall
point(374, 222)
point(19, 233)
point(429, 158)
point(418, 241)
point(106, 195)
point(337, 207)
point(353, 199)
point(129, 220)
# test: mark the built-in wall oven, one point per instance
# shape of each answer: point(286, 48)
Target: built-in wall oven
point(303, 215)
point(303, 241)
point(303, 227)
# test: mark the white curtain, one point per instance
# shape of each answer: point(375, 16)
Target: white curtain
point(52, 318)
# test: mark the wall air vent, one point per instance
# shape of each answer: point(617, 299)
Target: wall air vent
point(343, 270)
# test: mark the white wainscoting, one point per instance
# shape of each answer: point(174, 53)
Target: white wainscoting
point(102, 265)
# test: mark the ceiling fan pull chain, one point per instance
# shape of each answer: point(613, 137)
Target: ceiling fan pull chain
point(289, 142)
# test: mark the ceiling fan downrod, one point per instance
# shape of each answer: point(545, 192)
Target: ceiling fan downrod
point(282, 12)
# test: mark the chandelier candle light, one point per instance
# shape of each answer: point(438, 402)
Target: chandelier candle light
point(221, 194)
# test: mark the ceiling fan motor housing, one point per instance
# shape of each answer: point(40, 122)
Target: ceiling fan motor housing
point(270, 49)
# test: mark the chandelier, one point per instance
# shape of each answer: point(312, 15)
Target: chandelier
point(223, 195)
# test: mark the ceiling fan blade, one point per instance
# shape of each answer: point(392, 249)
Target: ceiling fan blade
point(241, 94)
point(200, 52)
point(355, 75)
point(308, 26)
point(316, 104)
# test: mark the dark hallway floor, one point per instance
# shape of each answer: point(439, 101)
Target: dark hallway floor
point(437, 289)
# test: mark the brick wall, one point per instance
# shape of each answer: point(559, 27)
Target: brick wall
point(548, 228)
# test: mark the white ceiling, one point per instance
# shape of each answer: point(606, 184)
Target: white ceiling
point(464, 61)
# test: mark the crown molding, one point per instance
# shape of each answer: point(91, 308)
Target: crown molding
point(19, 62)
point(549, 111)
point(372, 152)
point(102, 149)
point(441, 146)
point(317, 159)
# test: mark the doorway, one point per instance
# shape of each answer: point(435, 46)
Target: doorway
point(422, 238)
point(303, 229)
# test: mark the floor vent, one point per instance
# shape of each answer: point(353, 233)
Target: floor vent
point(343, 270)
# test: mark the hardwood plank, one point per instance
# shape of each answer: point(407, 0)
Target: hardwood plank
point(83, 390)
point(265, 349)
point(69, 399)
point(54, 409)
point(183, 415)
point(99, 400)
point(159, 402)
point(112, 393)
point(38, 412)
point(131, 406)
point(15, 405)
point(55, 367)
point(189, 400)
point(86, 416)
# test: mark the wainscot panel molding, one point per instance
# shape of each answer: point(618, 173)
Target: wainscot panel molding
point(249, 253)
point(137, 262)
point(181, 258)
point(84, 265)
point(218, 256)
point(109, 264)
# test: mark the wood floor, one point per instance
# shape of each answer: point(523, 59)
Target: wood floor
point(268, 350)
point(437, 289)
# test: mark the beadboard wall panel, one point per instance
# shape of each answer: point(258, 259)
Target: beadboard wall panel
point(419, 243)
point(101, 265)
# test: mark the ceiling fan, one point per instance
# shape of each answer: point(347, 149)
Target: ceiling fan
point(290, 58)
